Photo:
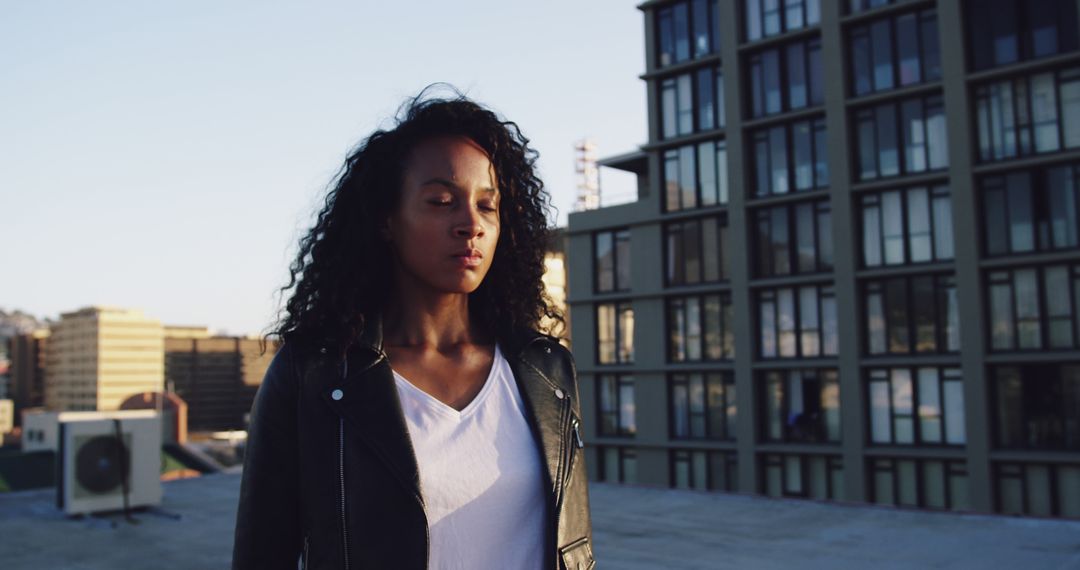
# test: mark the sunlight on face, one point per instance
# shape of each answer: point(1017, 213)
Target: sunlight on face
point(446, 226)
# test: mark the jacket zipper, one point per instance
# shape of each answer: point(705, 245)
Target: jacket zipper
point(341, 474)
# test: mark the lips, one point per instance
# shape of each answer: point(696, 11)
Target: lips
point(469, 257)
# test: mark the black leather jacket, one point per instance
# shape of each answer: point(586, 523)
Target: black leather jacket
point(330, 477)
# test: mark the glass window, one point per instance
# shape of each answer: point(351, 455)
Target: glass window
point(695, 176)
point(912, 315)
point(611, 255)
point(615, 333)
point(704, 470)
point(916, 130)
point(793, 238)
point(696, 251)
point(797, 322)
point(687, 29)
point(1044, 489)
point(802, 476)
point(894, 52)
point(798, 86)
point(1028, 115)
point(692, 102)
point(617, 464)
point(764, 18)
point(1034, 308)
point(907, 226)
point(920, 483)
point(702, 405)
point(615, 399)
point(780, 169)
point(800, 406)
point(922, 405)
point(1031, 210)
point(1038, 406)
point(1006, 31)
point(700, 328)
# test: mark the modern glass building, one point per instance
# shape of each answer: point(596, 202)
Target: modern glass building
point(853, 269)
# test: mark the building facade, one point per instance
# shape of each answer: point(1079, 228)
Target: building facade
point(216, 376)
point(28, 370)
point(99, 356)
point(853, 269)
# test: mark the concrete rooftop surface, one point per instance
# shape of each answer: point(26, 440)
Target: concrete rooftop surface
point(634, 528)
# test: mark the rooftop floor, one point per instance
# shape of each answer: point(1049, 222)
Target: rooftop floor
point(634, 527)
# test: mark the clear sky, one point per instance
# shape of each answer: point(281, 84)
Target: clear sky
point(167, 156)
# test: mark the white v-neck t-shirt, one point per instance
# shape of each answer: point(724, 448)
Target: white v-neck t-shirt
point(480, 475)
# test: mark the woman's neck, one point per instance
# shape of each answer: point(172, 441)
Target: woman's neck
point(433, 321)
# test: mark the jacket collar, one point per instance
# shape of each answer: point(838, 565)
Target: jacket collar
point(361, 389)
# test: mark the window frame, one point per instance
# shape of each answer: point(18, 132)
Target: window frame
point(1024, 127)
point(929, 104)
point(994, 277)
point(674, 155)
point(825, 291)
point(667, 12)
point(726, 380)
point(1024, 371)
point(820, 426)
point(865, 30)
point(818, 156)
point(675, 228)
point(729, 460)
point(833, 464)
point(941, 284)
point(950, 468)
point(620, 381)
point(617, 235)
point(1038, 194)
point(1053, 470)
point(813, 88)
point(618, 307)
point(935, 192)
point(725, 334)
point(945, 374)
point(823, 256)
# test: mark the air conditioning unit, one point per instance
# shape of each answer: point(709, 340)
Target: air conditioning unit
point(109, 464)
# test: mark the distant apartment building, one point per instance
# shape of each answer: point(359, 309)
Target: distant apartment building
point(217, 376)
point(853, 268)
point(99, 356)
point(555, 284)
point(28, 370)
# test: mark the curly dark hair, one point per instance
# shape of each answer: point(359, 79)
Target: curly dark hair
point(342, 270)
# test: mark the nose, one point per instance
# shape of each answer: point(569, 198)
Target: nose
point(469, 226)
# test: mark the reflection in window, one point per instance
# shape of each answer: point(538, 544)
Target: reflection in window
point(1007, 31)
point(766, 18)
point(901, 138)
point(1031, 210)
point(615, 333)
point(612, 260)
point(1038, 406)
point(1043, 489)
point(692, 102)
point(922, 483)
point(685, 30)
point(922, 405)
point(797, 87)
point(861, 5)
point(1028, 115)
point(800, 406)
point(803, 476)
point(794, 238)
point(615, 397)
point(790, 158)
point(907, 226)
point(895, 52)
point(797, 322)
point(696, 250)
point(703, 405)
point(912, 314)
point(1032, 308)
point(704, 470)
point(617, 464)
point(695, 176)
point(700, 328)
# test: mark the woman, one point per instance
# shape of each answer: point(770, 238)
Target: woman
point(413, 417)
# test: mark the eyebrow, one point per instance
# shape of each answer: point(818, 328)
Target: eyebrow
point(451, 184)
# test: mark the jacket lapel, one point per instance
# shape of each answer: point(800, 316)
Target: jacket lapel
point(367, 398)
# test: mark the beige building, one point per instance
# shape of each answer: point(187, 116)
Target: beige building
point(555, 284)
point(98, 356)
